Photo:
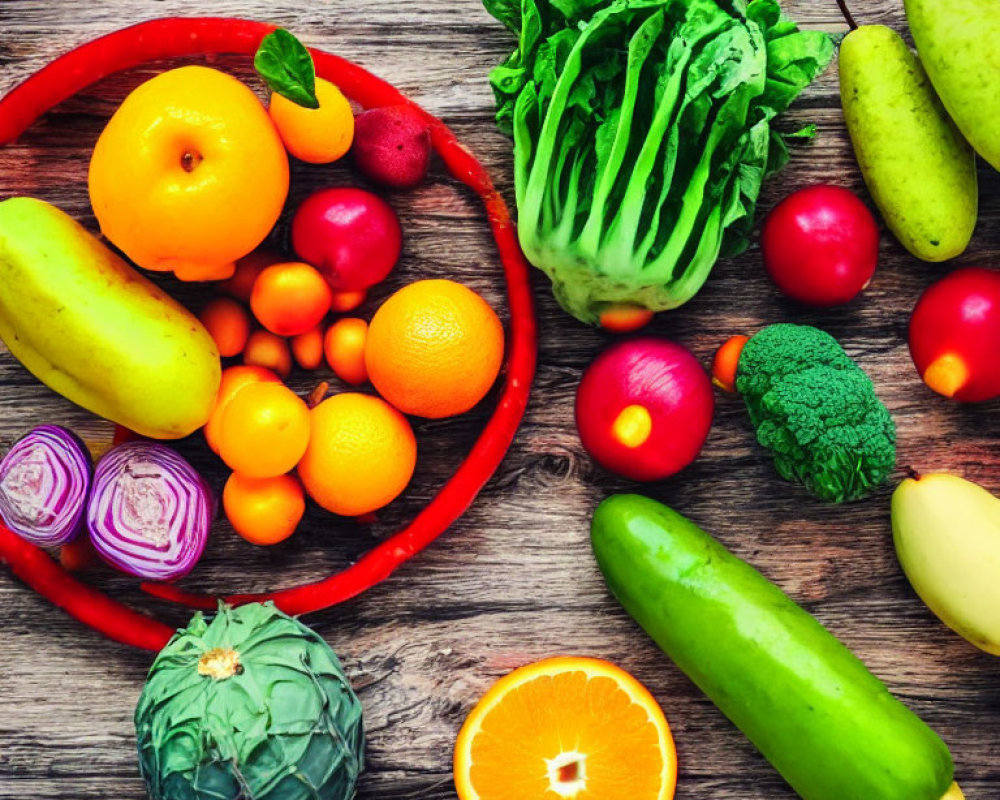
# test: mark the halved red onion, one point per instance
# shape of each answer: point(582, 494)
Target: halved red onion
point(149, 512)
point(44, 481)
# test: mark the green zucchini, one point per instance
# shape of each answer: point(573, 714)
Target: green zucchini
point(827, 724)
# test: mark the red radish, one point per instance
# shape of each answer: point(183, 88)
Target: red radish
point(955, 335)
point(644, 408)
point(820, 245)
point(392, 145)
point(350, 235)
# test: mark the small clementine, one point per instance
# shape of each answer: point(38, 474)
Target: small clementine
point(233, 379)
point(263, 510)
point(228, 323)
point(308, 348)
point(361, 454)
point(240, 285)
point(315, 135)
point(264, 430)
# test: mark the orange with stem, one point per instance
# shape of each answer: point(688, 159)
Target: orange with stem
point(361, 454)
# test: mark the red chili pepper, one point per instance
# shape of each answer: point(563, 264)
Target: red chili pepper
point(175, 37)
point(89, 605)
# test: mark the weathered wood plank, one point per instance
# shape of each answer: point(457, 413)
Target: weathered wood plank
point(515, 579)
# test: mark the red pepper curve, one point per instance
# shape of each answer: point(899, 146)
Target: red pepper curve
point(176, 37)
point(89, 605)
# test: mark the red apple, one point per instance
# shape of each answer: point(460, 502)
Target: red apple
point(350, 235)
point(644, 408)
point(955, 335)
point(820, 245)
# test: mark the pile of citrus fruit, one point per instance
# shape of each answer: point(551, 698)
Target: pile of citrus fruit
point(172, 186)
point(433, 349)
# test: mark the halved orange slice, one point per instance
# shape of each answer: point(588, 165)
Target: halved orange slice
point(566, 729)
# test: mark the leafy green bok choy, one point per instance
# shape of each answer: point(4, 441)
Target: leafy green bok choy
point(642, 135)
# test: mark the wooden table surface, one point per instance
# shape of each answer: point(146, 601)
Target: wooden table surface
point(515, 579)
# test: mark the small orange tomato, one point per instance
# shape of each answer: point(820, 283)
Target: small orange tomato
point(228, 324)
point(264, 510)
point(308, 348)
point(264, 430)
point(233, 379)
point(264, 349)
point(342, 302)
point(726, 362)
point(290, 298)
point(344, 345)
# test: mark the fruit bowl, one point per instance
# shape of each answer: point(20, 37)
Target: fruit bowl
point(440, 219)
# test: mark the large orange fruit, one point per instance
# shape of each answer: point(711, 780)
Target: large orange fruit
point(189, 174)
point(434, 349)
point(361, 454)
point(574, 728)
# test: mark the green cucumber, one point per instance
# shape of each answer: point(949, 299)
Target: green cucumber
point(827, 724)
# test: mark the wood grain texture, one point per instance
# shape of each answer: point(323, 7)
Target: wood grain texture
point(514, 580)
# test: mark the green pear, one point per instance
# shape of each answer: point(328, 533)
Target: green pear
point(959, 44)
point(920, 171)
point(947, 536)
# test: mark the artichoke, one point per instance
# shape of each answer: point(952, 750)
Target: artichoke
point(252, 705)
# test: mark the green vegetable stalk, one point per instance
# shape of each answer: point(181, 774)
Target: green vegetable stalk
point(642, 135)
point(816, 411)
point(250, 705)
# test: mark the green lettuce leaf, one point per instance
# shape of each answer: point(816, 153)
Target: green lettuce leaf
point(642, 135)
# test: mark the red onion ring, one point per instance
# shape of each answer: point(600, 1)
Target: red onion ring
point(44, 483)
point(149, 512)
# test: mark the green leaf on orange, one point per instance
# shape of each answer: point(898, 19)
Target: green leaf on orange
point(287, 68)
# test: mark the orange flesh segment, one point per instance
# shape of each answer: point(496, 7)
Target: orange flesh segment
point(632, 426)
point(586, 731)
point(947, 374)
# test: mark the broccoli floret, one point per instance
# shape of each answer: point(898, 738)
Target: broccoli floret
point(816, 411)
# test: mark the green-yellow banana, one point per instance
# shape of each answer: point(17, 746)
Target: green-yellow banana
point(93, 329)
